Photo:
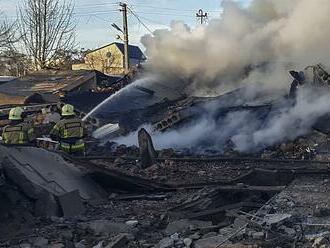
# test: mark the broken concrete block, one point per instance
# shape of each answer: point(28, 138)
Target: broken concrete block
point(132, 223)
point(47, 205)
point(44, 170)
point(147, 150)
point(43, 176)
point(71, 204)
point(184, 225)
point(258, 235)
point(106, 227)
point(276, 219)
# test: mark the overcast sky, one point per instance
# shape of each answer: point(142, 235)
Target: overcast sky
point(94, 17)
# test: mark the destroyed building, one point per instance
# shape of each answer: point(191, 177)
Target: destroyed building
point(145, 197)
point(211, 151)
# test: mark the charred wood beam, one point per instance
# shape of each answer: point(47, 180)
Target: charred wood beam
point(115, 179)
point(213, 159)
point(29, 109)
point(251, 189)
point(256, 176)
point(220, 191)
point(158, 197)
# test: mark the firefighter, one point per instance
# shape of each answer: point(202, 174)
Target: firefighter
point(70, 132)
point(299, 79)
point(18, 132)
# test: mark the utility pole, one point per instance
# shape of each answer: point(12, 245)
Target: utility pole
point(125, 32)
point(200, 14)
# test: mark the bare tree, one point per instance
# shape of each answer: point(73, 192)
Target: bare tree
point(63, 59)
point(13, 63)
point(7, 34)
point(100, 60)
point(46, 26)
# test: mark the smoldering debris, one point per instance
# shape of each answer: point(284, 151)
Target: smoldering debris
point(246, 46)
point(182, 201)
point(248, 130)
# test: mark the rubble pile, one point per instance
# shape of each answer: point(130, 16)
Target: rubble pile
point(311, 147)
point(119, 196)
point(178, 220)
point(201, 202)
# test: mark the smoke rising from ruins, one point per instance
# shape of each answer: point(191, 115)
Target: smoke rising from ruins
point(256, 44)
point(246, 46)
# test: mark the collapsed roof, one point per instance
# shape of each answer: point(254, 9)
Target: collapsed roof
point(47, 83)
point(250, 116)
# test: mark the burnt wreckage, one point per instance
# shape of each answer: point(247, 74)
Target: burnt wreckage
point(170, 109)
point(141, 197)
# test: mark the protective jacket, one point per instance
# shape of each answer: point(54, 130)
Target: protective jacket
point(70, 133)
point(18, 134)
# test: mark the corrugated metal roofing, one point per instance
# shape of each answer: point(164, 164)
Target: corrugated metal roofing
point(46, 82)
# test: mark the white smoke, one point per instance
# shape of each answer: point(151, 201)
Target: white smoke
point(288, 122)
point(269, 36)
point(255, 45)
point(247, 130)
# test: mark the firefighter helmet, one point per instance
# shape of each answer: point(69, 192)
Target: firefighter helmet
point(67, 110)
point(15, 113)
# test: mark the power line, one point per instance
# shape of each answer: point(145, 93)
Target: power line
point(172, 9)
point(97, 4)
point(101, 12)
point(164, 14)
point(154, 21)
point(140, 21)
point(96, 12)
point(80, 10)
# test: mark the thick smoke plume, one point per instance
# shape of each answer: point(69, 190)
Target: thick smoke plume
point(256, 44)
point(245, 46)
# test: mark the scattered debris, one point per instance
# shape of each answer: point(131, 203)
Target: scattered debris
point(122, 196)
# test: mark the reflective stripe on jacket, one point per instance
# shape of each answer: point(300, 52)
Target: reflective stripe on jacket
point(70, 133)
point(20, 134)
point(79, 146)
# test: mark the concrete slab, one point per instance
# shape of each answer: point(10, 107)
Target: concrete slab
point(71, 204)
point(50, 171)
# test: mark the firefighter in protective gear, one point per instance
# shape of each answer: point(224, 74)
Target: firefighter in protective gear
point(17, 132)
point(70, 131)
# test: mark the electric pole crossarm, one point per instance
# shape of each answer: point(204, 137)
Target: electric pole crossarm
point(201, 15)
